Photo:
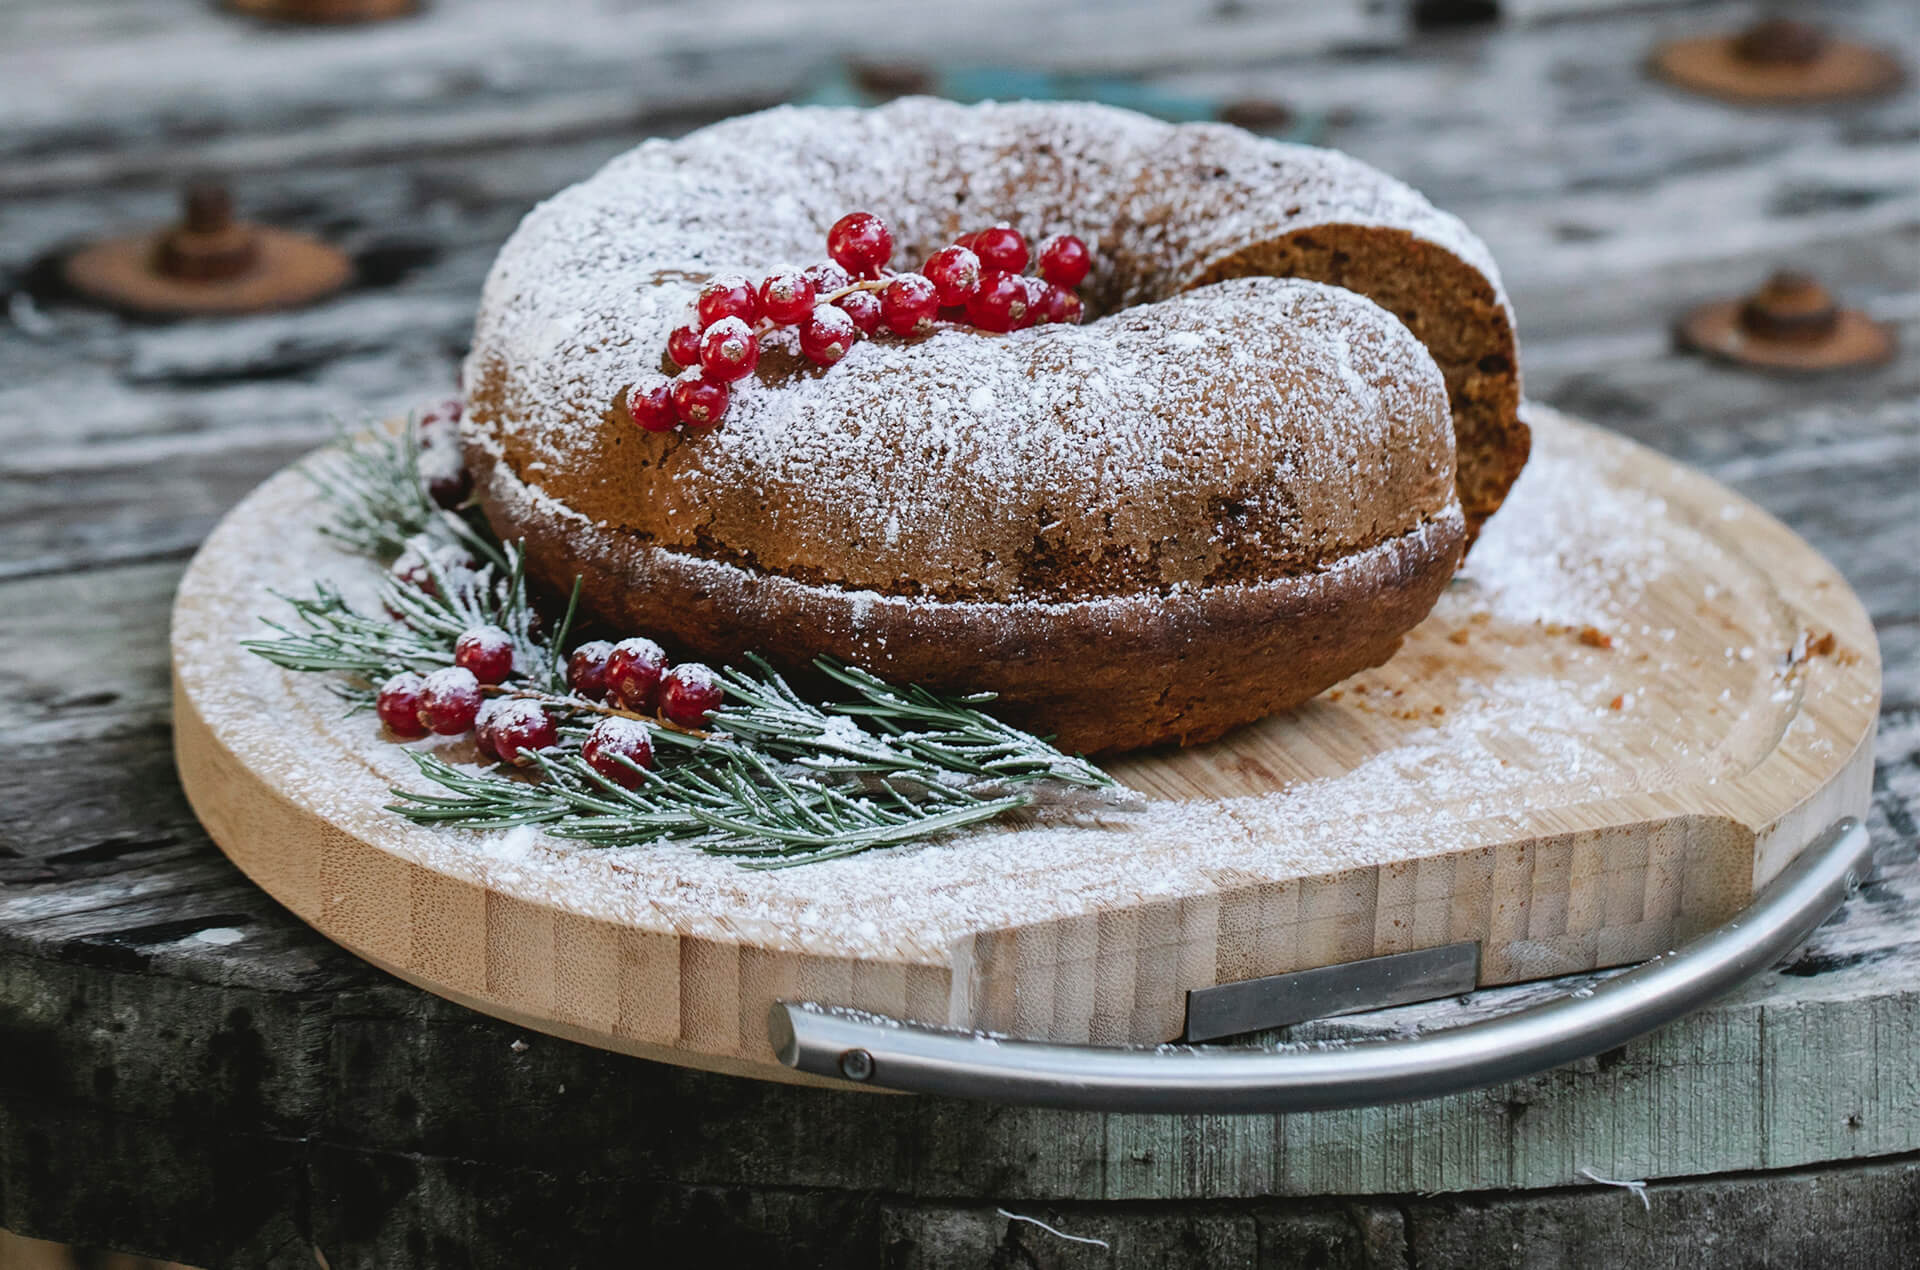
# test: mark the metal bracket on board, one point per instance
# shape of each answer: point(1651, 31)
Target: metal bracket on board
point(866, 1049)
point(1253, 1005)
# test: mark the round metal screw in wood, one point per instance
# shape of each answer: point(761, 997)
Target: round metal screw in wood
point(884, 81)
point(208, 264)
point(1791, 323)
point(1257, 114)
point(1777, 61)
point(324, 12)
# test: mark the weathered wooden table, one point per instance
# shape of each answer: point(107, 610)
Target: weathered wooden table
point(187, 1070)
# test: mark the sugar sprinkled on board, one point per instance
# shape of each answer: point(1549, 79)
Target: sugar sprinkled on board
point(1536, 557)
point(1504, 739)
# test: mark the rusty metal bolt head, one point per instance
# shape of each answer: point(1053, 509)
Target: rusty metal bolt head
point(1257, 114)
point(1780, 42)
point(324, 11)
point(1777, 62)
point(208, 262)
point(208, 245)
point(1791, 323)
point(206, 208)
point(885, 81)
point(1790, 306)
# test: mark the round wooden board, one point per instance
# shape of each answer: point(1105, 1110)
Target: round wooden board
point(1641, 697)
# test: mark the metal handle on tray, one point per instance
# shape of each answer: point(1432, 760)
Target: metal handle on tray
point(894, 1054)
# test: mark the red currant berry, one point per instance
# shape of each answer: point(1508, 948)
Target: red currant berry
point(518, 728)
point(650, 406)
point(1064, 261)
point(728, 351)
point(827, 278)
point(1062, 305)
point(864, 308)
point(587, 669)
point(786, 298)
point(485, 650)
point(1000, 302)
point(635, 668)
point(827, 334)
point(699, 402)
point(1001, 249)
point(689, 694)
point(860, 243)
point(442, 466)
point(683, 347)
point(483, 728)
point(438, 419)
point(725, 297)
point(398, 705)
point(1036, 301)
point(410, 569)
point(449, 700)
point(954, 272)
point(613, 740)
point(447, 478)
point(908, 305)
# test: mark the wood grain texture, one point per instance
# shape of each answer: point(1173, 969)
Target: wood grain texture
point(1643, 821)
point(296, 1098)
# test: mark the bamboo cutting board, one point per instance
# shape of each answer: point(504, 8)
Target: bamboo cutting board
point(1640, 698)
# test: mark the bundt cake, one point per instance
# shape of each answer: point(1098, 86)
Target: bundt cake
point(1227, 491)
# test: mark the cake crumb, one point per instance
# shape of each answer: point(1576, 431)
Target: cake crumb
point(1594, 637)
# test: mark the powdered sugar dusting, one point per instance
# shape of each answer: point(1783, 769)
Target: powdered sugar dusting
point(1503, 742)
point(1090, 434)
point(1532, 565)
point(959, 445)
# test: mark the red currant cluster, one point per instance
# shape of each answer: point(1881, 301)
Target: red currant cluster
point(979, 281)
point(442, 467)
point(633, 675)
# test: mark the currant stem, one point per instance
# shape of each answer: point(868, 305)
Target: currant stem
point(580, 704)
point(865, 284)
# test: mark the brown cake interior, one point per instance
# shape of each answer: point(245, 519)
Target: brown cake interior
point(1450, 307)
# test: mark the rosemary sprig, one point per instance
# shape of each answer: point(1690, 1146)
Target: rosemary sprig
point(913, 731)
point(379, 502)
point(775, 780)
point(331, 636)
point(721, 798)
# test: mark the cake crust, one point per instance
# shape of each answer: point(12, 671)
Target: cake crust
point(1099, 675)
point(1225, 493)
point(1255, 427)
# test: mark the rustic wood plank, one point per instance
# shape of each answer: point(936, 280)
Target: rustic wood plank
point(389, 1127)
point(576, 66)
point(1055, 1162)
